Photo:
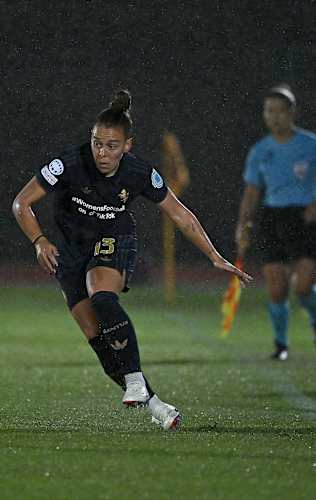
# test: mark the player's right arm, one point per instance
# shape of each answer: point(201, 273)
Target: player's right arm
point(247, 209)
point(46, 252)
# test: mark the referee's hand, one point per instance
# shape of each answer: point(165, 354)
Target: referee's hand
point(310, 213)
point(46, 254)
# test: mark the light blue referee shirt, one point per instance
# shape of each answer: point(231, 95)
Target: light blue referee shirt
point(286, 172)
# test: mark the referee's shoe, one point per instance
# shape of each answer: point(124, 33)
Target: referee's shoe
point(281, 353)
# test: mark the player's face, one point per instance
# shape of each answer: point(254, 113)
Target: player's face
point(108, 146)
point(278, 115)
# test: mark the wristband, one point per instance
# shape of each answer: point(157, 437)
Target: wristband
point(37, 238)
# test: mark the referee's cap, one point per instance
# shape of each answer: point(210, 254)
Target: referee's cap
point(284, 91)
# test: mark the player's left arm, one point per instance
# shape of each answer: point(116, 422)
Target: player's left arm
point(189, 225)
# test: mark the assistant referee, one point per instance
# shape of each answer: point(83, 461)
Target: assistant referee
point(281, 169)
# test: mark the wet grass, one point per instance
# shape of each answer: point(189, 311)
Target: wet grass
point(249, 423)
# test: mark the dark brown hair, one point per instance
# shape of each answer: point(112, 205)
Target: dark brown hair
point(117, 114)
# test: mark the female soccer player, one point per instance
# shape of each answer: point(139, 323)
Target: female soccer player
point(283, 166)
point(94, 252)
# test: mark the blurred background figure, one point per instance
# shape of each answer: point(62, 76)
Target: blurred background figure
point(177, 175)
point(281, 170)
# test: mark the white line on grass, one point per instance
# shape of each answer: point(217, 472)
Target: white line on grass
point(282, 384)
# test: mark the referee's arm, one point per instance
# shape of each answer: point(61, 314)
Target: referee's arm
point(310, 213)
point(247, 209)
point(249, 204)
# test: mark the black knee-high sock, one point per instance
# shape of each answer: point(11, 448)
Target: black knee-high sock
point(117, 332)
point(108, 363)
point(107, 360)
point(116, 346)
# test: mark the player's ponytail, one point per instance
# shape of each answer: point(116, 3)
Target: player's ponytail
point(118, 113)
point(122, 101)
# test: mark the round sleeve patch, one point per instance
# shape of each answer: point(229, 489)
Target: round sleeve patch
point(56, 167)
point(156, 179)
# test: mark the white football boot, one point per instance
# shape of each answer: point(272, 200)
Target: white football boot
point(163, 414)
point(136, 393)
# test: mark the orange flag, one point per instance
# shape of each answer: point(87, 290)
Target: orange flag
point(230, 302)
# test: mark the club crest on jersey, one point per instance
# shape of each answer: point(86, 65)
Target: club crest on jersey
point(300, 169)
point(123, 195)
point(86, 190)
point(156, 179)
point(56, 167)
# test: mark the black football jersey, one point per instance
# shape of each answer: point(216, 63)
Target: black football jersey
point(89, 205)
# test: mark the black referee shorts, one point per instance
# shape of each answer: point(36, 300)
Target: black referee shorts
point(117, 253)
point(284, 236)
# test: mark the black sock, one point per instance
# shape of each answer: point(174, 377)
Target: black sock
point(107, 361)
point(117, 334)
point(109, 366)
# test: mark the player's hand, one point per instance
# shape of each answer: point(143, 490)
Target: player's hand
point(227, 266)
point(310, 213)
point(46, 254)
point(243, 238)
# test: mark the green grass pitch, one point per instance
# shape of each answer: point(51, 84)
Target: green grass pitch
point(248, 427)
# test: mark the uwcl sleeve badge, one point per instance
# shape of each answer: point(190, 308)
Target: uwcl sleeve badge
point(56, 167)
point(156, 179)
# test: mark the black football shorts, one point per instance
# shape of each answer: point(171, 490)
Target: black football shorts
point(284, 236)
point(117, 253)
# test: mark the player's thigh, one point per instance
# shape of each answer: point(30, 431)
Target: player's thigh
point(85, 316)
point(101, 279)
point(73, 284)
point(72, 280)
point(305, 269)
point(277, 281)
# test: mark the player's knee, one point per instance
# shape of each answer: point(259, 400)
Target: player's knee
point(278, 295)
point(302, 287)
point(104, 302)
point(302, 290)
point(90, 331)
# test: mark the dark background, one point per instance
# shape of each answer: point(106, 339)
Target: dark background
point(198, 68)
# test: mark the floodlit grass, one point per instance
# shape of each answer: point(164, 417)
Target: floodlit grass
point(249, 423)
